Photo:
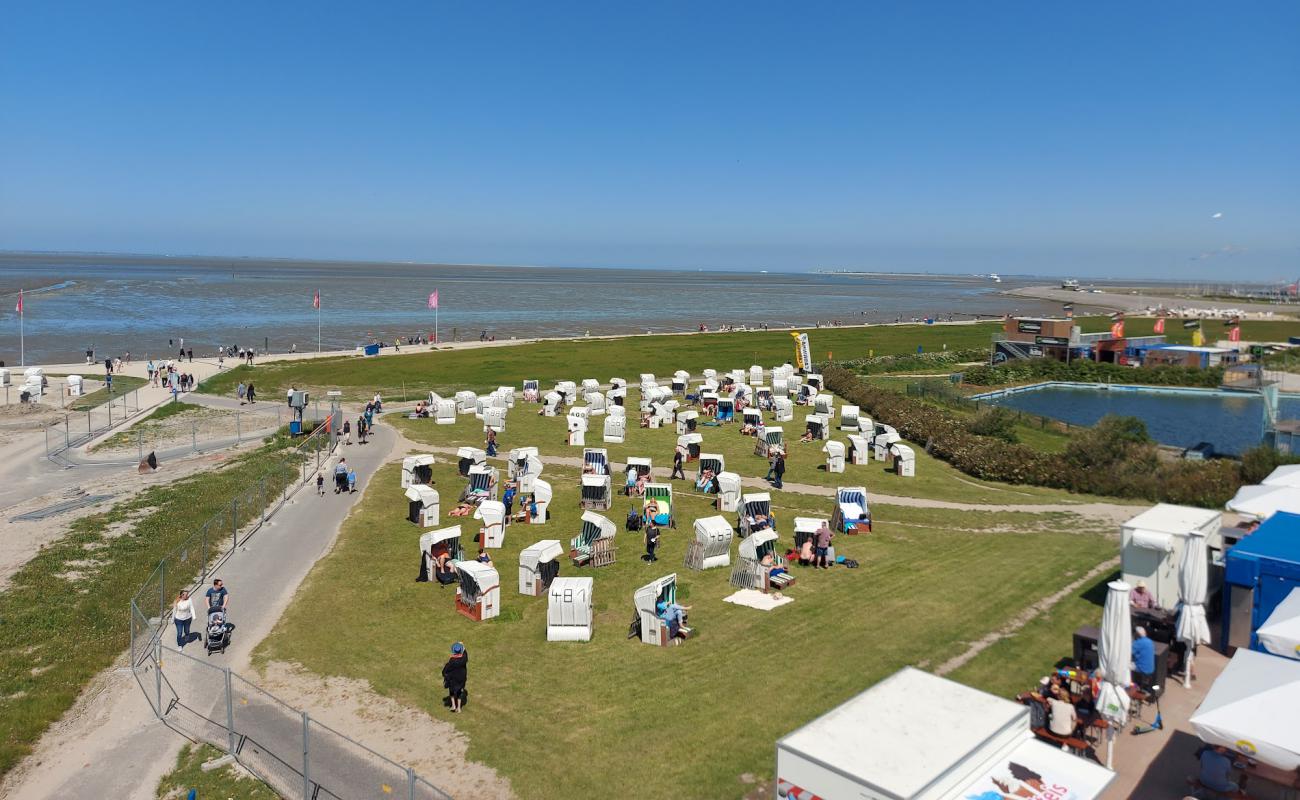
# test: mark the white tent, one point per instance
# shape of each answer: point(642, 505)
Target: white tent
point(1264, 501)
point(1152, 544)
point(1287, 475)
point(1280, 633)
point(1192, 590)
point(884, 743)
point(569, 610)
point(1114, 651)
point(1252, 709)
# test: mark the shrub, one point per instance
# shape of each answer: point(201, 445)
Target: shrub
point(996, 422)
point(1039, 369)
point(1258, 462)
point(1115, 458)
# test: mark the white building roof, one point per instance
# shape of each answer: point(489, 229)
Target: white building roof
point(1178, 520)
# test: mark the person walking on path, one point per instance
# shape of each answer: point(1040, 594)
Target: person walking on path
point(352, 481)
point(778, 470)
point(183, 615)
point(490, 446)
point(455, 674)
point(771, 465)
point(347, 432)
point(320, 484)
point(242, 391)
point(252, 394)
point(218, 596)
point(678, 463)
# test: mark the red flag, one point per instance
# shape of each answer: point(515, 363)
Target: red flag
point(1160, 325)
point(433, 299)
point(19, 309)
point(1234, 335)
point(1117, 330)
point(315, 301)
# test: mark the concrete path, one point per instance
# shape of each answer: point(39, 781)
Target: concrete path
point(112, 745)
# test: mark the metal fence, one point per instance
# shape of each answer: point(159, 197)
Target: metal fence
point(205, 429)
point(81, 426)
point(293, 753)
point(948, 395)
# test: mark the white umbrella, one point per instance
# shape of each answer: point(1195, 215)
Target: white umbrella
point(1280, 633)
point(1192, 628)
point(1251, 709)
point(1265, 501)
point(1287, 475)
point(1115, 654)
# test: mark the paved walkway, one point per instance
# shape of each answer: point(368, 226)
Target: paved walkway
point(114, 743)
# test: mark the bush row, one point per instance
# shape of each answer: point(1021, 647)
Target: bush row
point(1115, 458)
point(1038, 369)
point(909, 362)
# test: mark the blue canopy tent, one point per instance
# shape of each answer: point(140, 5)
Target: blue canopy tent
point(1259, 572)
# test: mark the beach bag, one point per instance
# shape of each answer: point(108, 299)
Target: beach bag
point(633, 522)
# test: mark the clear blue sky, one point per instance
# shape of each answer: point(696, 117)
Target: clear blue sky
point(1056, 138)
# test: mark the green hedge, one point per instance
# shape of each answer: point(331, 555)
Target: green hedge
point(1047, 369)
point(1115, 458)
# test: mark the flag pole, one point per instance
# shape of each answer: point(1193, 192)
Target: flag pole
point(318, 321)
point(22, 341)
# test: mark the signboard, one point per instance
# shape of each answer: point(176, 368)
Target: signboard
point(802, 352)
point(1057, 341)
point(1029, 326)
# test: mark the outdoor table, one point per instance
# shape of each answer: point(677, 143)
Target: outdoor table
point(1288, 782)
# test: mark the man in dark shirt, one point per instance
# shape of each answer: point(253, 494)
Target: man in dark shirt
point(218, 596)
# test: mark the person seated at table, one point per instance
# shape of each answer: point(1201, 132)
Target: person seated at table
point(1144, 658)
point(1216, 770)
point(1061, 716)
point(1141, 597)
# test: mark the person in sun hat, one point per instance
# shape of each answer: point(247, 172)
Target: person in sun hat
point(1141, 597)
point(454, 675)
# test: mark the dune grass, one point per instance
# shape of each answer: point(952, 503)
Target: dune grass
point(482, 368)
point(225, 783)
point(615, 718)
point(122, 384)
point(65, 612)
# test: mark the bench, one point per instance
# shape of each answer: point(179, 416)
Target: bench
point(1074, 744)
point(1201, 790)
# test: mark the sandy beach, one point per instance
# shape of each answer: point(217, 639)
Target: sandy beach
point(1140, 301)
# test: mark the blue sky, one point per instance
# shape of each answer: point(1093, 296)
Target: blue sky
point(1056, 138)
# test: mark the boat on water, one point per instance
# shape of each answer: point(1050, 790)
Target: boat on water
point(1071, 285)
point(993, 276)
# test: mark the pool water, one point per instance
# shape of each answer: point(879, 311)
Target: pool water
point(1231, 422)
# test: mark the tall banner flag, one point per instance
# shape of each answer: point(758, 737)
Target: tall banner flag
point(1234, 334)
point(22, 340)
point(802, 352)
point(315, 303)
point(1160, 325)
point(433, 304)
point(1117, 329)
point(1198, 338)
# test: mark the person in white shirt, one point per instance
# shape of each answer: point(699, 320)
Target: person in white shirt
point(1062, 717)
point(183, 615)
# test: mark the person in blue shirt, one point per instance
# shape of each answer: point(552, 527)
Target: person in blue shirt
point(1216, 770)
point(508, 499)
point(1144, 658)
point(218, 596)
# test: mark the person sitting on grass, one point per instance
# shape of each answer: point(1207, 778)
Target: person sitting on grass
point(807, 435)
point(483, 557)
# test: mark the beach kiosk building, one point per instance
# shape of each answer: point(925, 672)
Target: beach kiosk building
point(417, 470)
point(569, 610)
point(539, 565)
point(478, 590)
point(1260, 572)
point(1151, 546)
point(884, 744)
point(711, 546)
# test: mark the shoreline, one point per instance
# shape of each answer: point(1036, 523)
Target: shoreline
point(1145, 302)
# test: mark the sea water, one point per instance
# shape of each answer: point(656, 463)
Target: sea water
point(119, 304)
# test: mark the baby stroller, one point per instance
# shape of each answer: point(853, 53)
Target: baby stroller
point(218, 631)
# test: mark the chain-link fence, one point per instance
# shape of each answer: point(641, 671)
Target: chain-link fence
point(295, 754)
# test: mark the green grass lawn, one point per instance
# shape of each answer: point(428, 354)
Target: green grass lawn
point(804, 461)
point(487, 368)
point(64, 617)
point(616, 718)
point(122, 384)
point(218, 784)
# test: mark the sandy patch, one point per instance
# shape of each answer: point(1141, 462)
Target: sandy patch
point(432, 747)
point(200, 425)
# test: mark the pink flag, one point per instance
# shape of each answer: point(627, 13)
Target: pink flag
point(315, 301)
point(433, 299)
point(19, 309)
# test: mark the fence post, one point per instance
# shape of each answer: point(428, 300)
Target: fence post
point(239, 435)
point(263, 501)
point(162, 588)
point(157, 673)
point(139, 439)
point(410, 784)
point(88, 429)
point(230, 716)
point(194, 435)
point(306, 760)
point(234, 524)
point(204, 578)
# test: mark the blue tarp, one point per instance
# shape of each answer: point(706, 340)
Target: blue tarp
point(1266, 562)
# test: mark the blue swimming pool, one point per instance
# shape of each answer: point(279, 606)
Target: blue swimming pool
point(1232, 422)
